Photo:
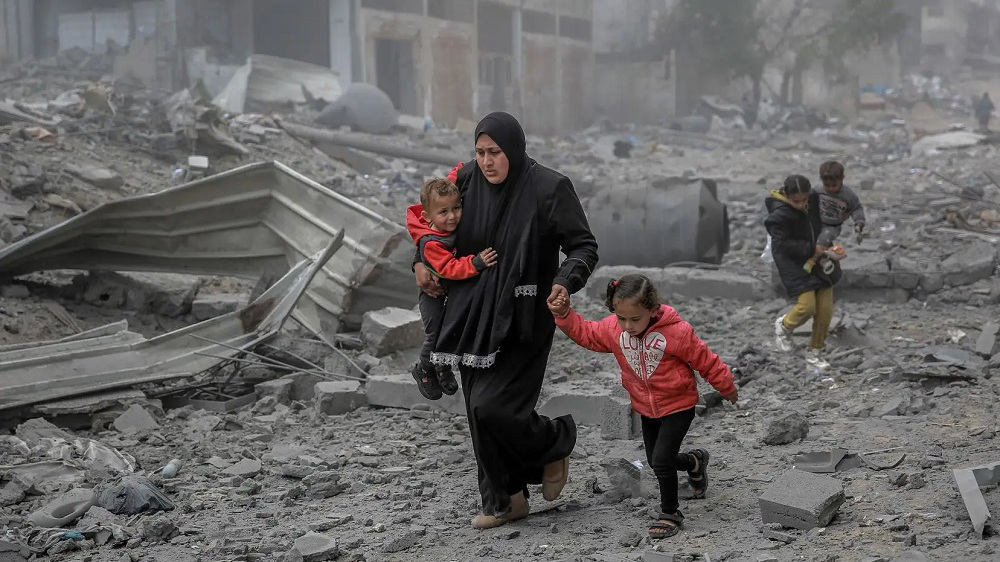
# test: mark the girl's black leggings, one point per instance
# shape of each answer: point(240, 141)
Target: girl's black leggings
point(662, 437)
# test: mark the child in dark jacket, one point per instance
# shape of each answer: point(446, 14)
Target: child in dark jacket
point(657, 352)
point(794, 224)
point(432, 225)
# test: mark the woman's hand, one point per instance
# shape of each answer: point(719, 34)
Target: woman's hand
point(558, 301)
point(428, 282)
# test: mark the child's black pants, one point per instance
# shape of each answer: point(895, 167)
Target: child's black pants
point(662, 437)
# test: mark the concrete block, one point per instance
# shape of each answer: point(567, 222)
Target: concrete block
point(316, 547)
point(801, 500)
point(584, 406)
point(865, 269)
point(906, 272)
point(973, 263)
point(303, 385)
point(334, 398)
point(134, 420)
point(280, 389)
point(390, 329)
point(683, 281)
point(986, 343)
point(618, 421)
point(400, 391)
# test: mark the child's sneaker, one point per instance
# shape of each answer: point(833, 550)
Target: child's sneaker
point(814, 360)
point(446, 379)
point(783, 336)
point(427, 381)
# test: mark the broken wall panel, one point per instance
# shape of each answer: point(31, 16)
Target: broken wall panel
point(251, 221)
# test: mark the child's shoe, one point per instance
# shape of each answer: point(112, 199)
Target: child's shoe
point(815, 361)
point(427, 381)
point(446, 379)
point(698, 478)
point(783, 336)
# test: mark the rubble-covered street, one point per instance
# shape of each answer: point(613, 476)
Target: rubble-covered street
point(231, 382)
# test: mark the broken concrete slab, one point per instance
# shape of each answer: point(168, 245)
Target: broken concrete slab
point(986, 343)
point(280, 389)
point(951, 140)
point(821, 462)
point(584, 405)
point(787, 429)
point(334, 398)
point(316, 547)
point(801, 500)
point(12, 551)
point(969, 482)
point(303, 385)
point(972, 263)
point(247, 468)
point(683, 281)
point(400, 391)
point(91, 403)
point(96, 175)
point(867, 270)
point(391, 329)
point(267, 84)
point(134, 420)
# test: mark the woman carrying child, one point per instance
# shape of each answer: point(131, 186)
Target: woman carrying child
point(658, 353)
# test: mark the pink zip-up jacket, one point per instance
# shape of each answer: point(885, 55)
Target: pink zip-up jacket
point(658, 367)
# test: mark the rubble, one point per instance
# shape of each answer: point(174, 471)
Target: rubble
point(362, 107)
point(391, 328)
point(786, 429)
point(801, 500)
point(334, 398)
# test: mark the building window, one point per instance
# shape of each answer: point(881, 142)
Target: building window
point(935, 8)
point(452, 10)
point(575, 28)
point(494, 67)
point(402, 6)
point(533, 21)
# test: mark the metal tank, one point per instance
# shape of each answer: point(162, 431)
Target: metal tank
point(669, 221)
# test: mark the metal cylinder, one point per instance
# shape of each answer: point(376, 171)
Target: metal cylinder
point(666, 222)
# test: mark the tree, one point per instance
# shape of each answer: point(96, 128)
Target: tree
point(743, 38)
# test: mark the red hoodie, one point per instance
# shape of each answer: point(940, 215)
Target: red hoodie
point(438, 253)
point(657, 367)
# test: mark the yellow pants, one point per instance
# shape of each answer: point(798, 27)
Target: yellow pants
point(817, 305)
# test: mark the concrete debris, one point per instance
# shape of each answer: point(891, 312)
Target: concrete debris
point(367, 144)
point(786, 429)
point(136, 419)
point(390, 329)
point(400, 391)
point(684, 282)
point(969, 482)
point(362, 107)
point(268, 83)
point(618, 420)
point(801, 500)
point(334, 398)
point(316, 547)
point(96, 176)
point(986, 343)
point(946, 141)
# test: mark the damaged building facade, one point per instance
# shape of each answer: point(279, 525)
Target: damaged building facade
point(443, 59)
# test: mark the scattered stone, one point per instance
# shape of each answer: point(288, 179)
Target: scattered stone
point(246, 468)
point(303, 385)
point(278, 389)
point(135, 420)
point(316, 547)
point(11, 551)
point(402, 542)
point(986, 343)
point(96, 176)
point(324, 484)
point(801, 500)
point(11, 493)
point(786, 429)
point(973, 262)
point(334, 398)
point(391, 329)
point(159, 529)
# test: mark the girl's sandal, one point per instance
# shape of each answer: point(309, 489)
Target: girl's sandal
point(666, 526)
point(698, 479)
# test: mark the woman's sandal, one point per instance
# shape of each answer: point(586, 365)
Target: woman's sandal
point(666, 525)
point(698, 479)
point(427, 382)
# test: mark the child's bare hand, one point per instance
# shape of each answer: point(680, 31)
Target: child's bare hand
point(732, 396)
point(489, 257)
point(558, 304)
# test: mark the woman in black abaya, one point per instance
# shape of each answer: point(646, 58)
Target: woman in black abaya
point(497, 328)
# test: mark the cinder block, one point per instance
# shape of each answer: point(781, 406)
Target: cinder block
point(280, 389)
point(618, 421)
point(391, 329)
point(801, 500)
point(973, 263)
point(868, 270)
point(334, 398)
point(400, 391)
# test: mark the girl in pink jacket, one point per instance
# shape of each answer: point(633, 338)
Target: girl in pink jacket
point(657, 352)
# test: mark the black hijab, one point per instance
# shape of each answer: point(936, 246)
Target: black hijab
point(483, 311)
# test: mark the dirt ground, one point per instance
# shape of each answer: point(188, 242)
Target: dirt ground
point(401, 483)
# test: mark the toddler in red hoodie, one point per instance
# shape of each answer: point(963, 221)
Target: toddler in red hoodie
point(657, 351)
point(432, 225)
